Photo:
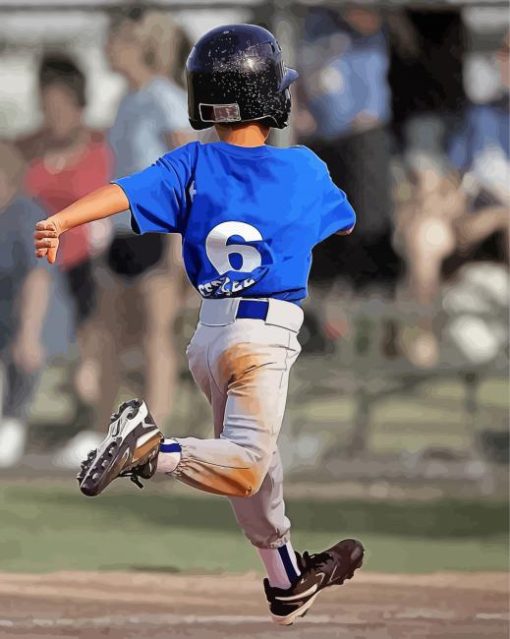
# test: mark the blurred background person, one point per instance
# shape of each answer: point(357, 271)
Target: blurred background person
point(343, 114)
point(426, 76)
point(347, 99)
point(480, 151)
point(461, 212)
point(24, 287)
point(68, 160)
point(142, 279)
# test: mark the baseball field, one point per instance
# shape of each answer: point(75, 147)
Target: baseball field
point(167, 562)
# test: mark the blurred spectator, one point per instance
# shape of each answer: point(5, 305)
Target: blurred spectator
point(450, 221)
point(152, 117)
point(24, 284)
point(346, 92)
point(425, 75)
point(480, 147)
point(67, 161)
point(142, 280)
point(480, 153)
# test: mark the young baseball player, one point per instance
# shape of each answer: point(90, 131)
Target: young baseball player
point(249, 215)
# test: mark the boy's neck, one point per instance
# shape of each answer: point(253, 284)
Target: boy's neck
point(251, 134)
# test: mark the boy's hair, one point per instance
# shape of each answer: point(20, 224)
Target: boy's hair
point(12, 164)
point(60, 69)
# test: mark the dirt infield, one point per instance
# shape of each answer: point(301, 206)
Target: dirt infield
point(161, 606)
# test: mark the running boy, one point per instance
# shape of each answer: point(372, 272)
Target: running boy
point(249, 215)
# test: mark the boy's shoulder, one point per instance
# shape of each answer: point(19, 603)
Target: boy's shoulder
point(305, 157)
point(299, 156)
point(186, 153)
point(306, 153)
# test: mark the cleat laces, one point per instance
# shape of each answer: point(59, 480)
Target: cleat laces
point(308, 561)
point(133, 476)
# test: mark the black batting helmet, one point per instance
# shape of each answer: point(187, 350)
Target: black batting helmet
point(235, 74)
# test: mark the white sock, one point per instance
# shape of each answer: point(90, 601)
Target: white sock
point(169, 456)
point(281, 565)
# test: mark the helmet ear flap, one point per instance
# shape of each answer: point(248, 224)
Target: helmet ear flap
point(281, 112)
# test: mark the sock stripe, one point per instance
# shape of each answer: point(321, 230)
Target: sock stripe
point(287, 563)
point(170, 447)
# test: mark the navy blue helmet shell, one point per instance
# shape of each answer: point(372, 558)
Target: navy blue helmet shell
point(236, 73)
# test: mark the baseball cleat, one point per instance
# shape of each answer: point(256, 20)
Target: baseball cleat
point(129, 450)
point(329, 568)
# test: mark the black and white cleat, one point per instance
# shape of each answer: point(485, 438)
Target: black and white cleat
point(329, 568)
point(129, 450)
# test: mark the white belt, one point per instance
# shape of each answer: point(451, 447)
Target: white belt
point(225, 311)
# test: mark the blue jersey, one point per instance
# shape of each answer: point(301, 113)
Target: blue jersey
point(249, 216)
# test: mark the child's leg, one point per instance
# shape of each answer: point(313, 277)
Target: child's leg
point(248, 385)
point(244, 367)
point(263, 521)
point(247, 389)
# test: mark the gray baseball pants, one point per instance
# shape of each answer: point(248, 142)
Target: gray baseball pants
point(242, 366)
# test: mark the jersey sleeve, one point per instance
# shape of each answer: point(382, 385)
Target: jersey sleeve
point(158, 195)
point(335, 211)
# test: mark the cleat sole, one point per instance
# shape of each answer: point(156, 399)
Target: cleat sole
point(117, 457)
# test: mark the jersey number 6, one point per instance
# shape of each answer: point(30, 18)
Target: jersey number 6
point(220, 252)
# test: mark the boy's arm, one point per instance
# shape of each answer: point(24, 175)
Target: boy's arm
point(104, 202)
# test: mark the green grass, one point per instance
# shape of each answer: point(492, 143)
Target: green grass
point(50, 526)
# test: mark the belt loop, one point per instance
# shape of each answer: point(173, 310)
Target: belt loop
point(235, 306)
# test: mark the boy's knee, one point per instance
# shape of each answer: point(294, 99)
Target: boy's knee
point(250, 477)
point(249, 480)
point(254, 460)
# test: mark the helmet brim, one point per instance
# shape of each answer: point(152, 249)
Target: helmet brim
point(291, 75)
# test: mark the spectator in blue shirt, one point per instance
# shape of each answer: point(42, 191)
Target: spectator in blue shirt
point(480, 152)
point(347, 97)
point(481, 145)
point(348, 90)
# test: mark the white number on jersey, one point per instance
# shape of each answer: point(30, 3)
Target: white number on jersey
point(219, 252)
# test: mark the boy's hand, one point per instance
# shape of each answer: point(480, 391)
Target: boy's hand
point(46, 239)
point(98, 205)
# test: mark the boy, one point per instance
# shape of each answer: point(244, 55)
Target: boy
point(249, 215)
